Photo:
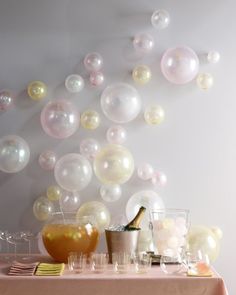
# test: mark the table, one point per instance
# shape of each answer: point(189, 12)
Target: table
point(153, 283)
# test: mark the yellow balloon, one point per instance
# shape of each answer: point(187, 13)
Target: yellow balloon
point(54, 193)
point(202, 238)
point(205, 81)
point(99, 211)
point(154, 115)
point(37, 90)
point(141, 74)
point(43, 208)
point(113, 164)
point(90, 119)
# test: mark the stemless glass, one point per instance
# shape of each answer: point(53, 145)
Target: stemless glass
point(142, 262)
point(3, 237)
point(29, 237)
point(77, 262)
point(98, 262)
point(121, 262)
point(198, 263)
point(170, 227)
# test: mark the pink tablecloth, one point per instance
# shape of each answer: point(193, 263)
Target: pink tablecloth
point(153, 283)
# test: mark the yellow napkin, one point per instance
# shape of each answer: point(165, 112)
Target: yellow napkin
point(50, 269)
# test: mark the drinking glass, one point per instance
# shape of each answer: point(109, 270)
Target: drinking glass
point(142, 262)
point(3, 237)
point(17, 239)
point(121, 262)
point(29, 237)
point(198, 263)
point(77, 262)
point(98, 262)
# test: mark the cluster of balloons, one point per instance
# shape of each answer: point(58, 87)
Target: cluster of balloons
point(93, 62)
point(145, 171)
point(204, 239)
point(14, 153)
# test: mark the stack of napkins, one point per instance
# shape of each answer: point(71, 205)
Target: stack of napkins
point(22, 269)
point(50, 269)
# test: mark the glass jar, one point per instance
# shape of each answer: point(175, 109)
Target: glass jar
point(67, 233)
point(170, 227)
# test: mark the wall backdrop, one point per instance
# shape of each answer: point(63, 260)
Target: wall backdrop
point(195, 145)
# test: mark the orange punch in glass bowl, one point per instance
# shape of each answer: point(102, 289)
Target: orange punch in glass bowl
point(65, 233)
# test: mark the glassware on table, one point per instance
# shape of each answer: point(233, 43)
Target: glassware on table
point(29, 237)
point(121, 262)
point(198, 263)
point(75, 234)
point(142, 262)
point(98, 262)
point(3, 237)
point(77, 262)
point(170, 227)
point(17, 239)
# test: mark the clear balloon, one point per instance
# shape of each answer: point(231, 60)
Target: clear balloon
point(110, 192)
point(154, 115)
point(203, 239)
point(179, 65)
point(37, 90)
point(143, 42)
point(114, 164)
point(90, 119)
point(96, 78)
point(99, 211)
point(159, 178)
point(121, 102)
point(54, 193)
point(59, 119)
point(213, 57)
point(43, 208)
point(141, 74)
point(14, 153)
point(74, 83)
point(89, 148)
point(145, 171)
point(47, 160)
point(148, 199)
point(217, 231)
point(205, 81)
point(73, 172)
point(93, 62)
point(116, 134)
point(6, 100)
point(69, 201)
point(160, 19)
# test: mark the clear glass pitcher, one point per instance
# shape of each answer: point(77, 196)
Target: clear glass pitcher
point(66, 233)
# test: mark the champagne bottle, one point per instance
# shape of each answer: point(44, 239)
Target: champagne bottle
point(134, 223)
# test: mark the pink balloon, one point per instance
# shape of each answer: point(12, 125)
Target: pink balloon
point(159, 178)
point(47, 160)
point(6, 100)
point(60, 119)
point(96, 78)
point(179, 65)
point(145, 171)
point(116, 134)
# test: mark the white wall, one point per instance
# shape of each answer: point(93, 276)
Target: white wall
point(195, 146)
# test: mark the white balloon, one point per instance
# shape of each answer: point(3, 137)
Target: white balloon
point(145, 171)
point(213, 57)
point(110, 192)
point(121, 102)
point(74, 83)
point(73, 172)
point(116, 134)
point(14, 153)
point(160, 19)
point(69, 201)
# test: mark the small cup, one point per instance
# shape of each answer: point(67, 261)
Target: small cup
point(77, 262)
point(121, 262)
point(142, 263)
point(98, 262)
